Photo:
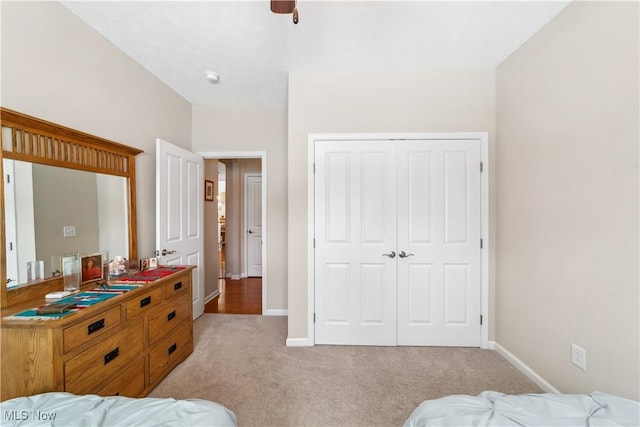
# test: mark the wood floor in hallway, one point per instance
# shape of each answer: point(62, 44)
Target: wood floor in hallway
point(242, 296)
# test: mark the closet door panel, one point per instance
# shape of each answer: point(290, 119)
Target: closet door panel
point(420, 293)
point(447, 174)
point(418, 197)
point(355, 217)
point(456, 195)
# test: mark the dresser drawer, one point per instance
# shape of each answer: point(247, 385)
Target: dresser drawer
point(130, 383)
point(76, 335)
point(170, 350)
point(168, 316)
point(144, 302)
point(104, 360)
point(177, 287)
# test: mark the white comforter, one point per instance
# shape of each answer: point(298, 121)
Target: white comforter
point(65, 409)
point(491, 408)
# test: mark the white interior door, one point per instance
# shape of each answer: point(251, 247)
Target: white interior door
point(20, 227)
point(253, 218)
point(179, 208)
point(439, 243)
point(11, 227)
point(418, 200)
point(355, 241)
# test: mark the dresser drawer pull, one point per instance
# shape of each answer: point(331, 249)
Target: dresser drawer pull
point(145, 301)
point(171, 315)
point(177, 286)
point(112, 355)
point(95, 326)
point(173, 348)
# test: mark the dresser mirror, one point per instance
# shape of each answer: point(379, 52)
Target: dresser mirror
point(51, 210)
point(62, 190)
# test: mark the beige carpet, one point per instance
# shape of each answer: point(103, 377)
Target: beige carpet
point(241, 361)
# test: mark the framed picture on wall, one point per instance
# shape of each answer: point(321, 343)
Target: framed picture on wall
point(208, 191)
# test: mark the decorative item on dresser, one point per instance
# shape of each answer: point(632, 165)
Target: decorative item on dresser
point(122, 345)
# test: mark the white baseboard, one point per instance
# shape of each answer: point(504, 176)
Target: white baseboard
point(212, 296)
point(525, 369)
point(299, 342)
point(272, 312)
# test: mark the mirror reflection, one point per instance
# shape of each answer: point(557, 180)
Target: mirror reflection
point(51, 211)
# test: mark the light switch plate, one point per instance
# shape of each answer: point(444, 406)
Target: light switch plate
point(69, 231)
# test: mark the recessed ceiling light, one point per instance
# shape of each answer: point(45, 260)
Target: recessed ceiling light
point(212, 77)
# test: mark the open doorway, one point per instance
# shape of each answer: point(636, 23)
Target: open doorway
point(222, 222)
point(236, 235)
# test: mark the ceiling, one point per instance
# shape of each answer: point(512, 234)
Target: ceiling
point(253, 50)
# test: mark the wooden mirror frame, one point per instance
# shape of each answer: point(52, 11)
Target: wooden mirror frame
point(38, 141)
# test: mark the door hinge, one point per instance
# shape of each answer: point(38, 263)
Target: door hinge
point(314, 243)
point(8, 179)
point(314, 318)
point(481, 319)
point(481, 243)
point(481, 167)
point(314, 167)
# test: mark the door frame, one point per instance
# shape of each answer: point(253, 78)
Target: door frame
point(482, 137)
point(262, 155)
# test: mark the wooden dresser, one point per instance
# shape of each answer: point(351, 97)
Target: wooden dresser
point(122, 346)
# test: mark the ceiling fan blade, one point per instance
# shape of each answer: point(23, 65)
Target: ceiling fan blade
point(283, 6)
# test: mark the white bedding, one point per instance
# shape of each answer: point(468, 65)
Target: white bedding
point(491, 408)
point(65, 409)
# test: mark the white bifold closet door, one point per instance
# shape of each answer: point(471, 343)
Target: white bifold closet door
point(397, 242)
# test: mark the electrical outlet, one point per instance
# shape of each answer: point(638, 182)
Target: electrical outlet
point(579, 356)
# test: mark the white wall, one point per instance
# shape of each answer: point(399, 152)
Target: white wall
point(57, 68)
point(429, 101)
point(255, 128)
point(567, 205)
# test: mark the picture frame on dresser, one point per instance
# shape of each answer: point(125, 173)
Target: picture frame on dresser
point(68, 266)
point(92, 267)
